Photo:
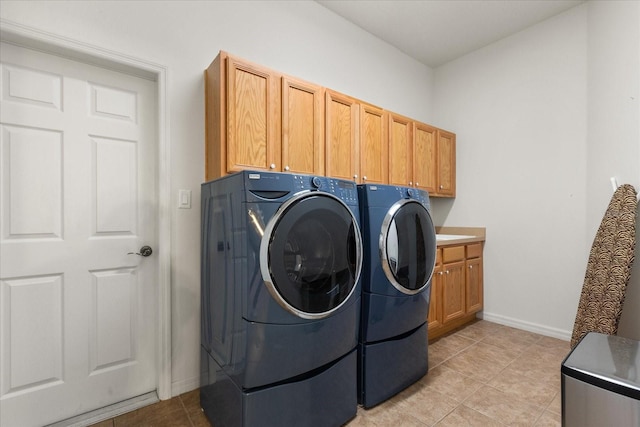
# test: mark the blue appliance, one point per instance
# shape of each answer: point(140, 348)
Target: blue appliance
point(280, 283)
point(399, 259)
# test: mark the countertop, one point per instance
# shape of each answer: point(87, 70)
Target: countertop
point(467, 235)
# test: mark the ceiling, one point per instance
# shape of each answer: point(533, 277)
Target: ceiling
point(437, 31)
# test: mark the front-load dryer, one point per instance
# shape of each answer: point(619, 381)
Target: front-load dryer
point(399, 259)
point(281, 263)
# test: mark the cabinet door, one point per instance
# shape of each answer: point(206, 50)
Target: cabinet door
point(446, 163)
point(341, 131)
point(474, 285)
point(425, 161)
point(434, 319)
point(453, 290)
point(373, 145)
point(253, 105)
point(302, 127)
point(400, 147)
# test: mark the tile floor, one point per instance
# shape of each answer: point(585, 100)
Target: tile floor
point(484, 374)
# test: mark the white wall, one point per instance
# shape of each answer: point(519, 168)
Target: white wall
point(614, 123)
point(518, 108)
point(299, 38)
point(543, 119)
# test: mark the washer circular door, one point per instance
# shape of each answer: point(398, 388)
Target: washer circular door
point(408, 246)
point(311, 254)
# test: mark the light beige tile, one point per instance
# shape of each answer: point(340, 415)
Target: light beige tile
point(481, 361)
point(388, 413)
point(463, 416)
point(479, 330)
point(512, 339)
point(450, 383)
point(551, 354)
point(550, 342)
point(538, 391)
point(503, 407)
point(447, 347)
point(427, 406)
point(556, 404)
point(537, 367)
point(549, 419)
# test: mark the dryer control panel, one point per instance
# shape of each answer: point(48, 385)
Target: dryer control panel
point(382, 195)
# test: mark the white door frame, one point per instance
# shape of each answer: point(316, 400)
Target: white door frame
point(28, 37)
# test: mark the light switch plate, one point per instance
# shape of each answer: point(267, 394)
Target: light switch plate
point(184, 199)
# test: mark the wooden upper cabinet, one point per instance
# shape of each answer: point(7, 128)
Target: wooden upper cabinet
point(242, 117)
point(446, 163)
point(341, 136)
point(302, 127)
point(253, 112)
point(373, 145)
point(425, 159)
point(260, 119)
point(400, 150)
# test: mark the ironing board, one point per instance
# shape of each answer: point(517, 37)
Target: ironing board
point(609, 268)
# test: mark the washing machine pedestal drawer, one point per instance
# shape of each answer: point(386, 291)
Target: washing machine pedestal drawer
point(321, 399)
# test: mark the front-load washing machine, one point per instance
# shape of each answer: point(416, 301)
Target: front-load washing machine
point(399, 259)
point(280, 283)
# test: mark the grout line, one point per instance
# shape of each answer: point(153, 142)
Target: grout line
point(184, 408)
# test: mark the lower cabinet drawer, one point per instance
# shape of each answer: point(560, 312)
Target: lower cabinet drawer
point(474, 250)
point(454, 253)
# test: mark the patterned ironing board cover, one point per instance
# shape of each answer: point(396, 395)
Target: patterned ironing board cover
point(609, 268)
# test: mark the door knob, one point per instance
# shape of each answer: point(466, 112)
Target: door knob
point(144, 251)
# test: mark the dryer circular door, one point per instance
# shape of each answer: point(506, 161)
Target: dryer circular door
point(408, 246)
point(311, 254)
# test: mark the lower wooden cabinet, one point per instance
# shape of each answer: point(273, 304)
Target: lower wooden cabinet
point(456, 288)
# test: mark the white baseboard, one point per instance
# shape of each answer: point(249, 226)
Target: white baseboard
point(183, 386)
point(108, 412)
point(527, 326)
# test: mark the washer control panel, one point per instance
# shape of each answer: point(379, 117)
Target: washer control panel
point(346, 190)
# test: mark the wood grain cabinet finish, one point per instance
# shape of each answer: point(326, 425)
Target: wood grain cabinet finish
point(341, 133)
point(446, 165)
point(373, 145)
point(242, 117)
point(434, 319)
point(474, 286)
point(456, 288)
point(421, 156)
point(425, 160)
point(302, 127)
point(260, 119)
point(400, 150)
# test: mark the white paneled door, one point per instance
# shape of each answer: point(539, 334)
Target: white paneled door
point(78, 193)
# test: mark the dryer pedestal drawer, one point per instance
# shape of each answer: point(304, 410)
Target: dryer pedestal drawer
point(388, 367)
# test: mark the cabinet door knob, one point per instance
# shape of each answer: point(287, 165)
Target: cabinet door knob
point(447, 271)
point(410, 183)
point(364, 178)
point(286, 168)
point(441, 186)
point(272, 166)
point(355, 176)
point(471, 267)
point(417, 183)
